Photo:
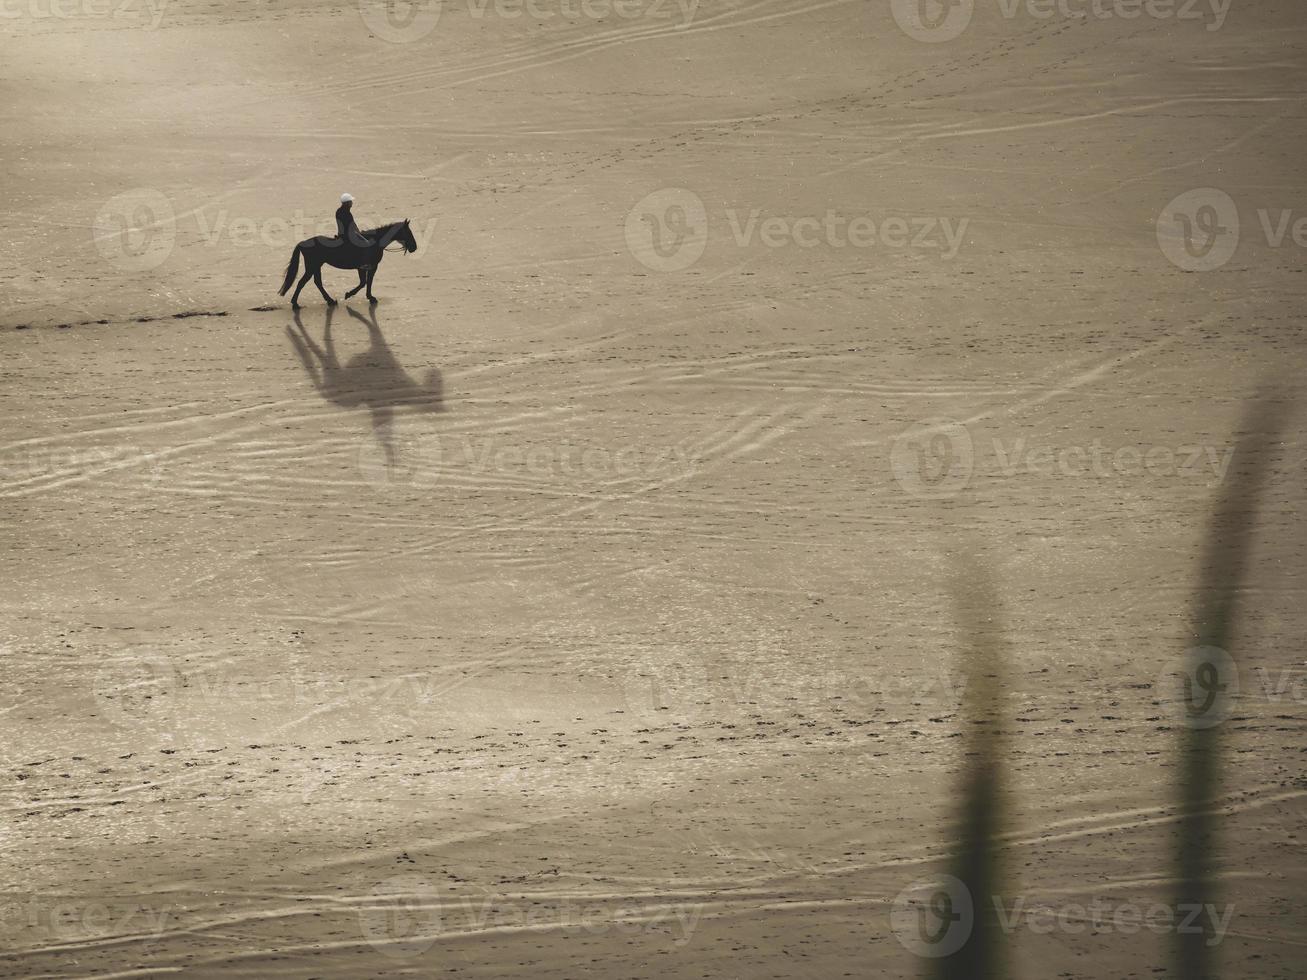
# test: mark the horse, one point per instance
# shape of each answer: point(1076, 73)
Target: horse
point(342, 254)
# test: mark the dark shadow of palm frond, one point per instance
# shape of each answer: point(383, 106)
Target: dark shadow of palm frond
point(1210, 676)
point(980, 820)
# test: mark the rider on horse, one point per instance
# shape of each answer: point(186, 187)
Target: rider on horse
point(346, 229)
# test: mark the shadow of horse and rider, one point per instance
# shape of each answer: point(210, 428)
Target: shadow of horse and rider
point(372, 379)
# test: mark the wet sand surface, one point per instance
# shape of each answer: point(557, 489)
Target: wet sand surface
point(565, 615)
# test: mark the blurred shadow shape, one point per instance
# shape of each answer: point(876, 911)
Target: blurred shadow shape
point(1209, 669)
point(975, 864)
point(373, 379)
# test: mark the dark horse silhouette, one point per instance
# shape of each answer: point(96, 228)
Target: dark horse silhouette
point(374, 378)
point(325, 250)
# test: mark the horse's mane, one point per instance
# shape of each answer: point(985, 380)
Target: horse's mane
point(381, 230)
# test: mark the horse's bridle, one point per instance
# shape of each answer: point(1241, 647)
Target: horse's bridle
point(394, 241)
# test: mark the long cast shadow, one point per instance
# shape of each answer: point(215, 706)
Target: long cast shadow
point(981, 817)
point(373, 379)
point(1211, 668)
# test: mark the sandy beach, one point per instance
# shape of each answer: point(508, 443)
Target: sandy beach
point(586, 607)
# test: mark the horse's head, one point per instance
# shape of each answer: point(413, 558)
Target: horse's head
point(404, 235)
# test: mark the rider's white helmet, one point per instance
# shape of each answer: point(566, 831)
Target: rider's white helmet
point(346, 198)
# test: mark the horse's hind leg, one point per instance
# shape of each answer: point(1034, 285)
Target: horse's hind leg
point(317, 280)
point(363, 280)
point(308, 274)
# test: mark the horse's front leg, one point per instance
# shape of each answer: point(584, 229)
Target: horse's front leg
point(363, 281)
point(372, 274)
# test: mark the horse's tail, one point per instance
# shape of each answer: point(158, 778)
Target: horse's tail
point(292, 270)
